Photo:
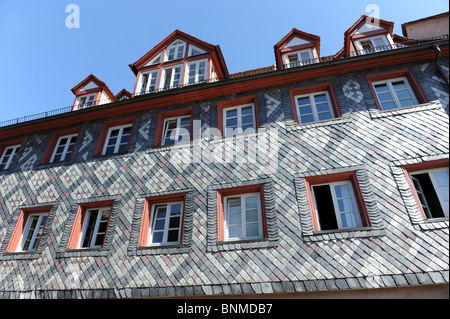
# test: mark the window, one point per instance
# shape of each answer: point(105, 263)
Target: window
point(63, 148)
point(29, 229)
point(299, 58)
point(85, 101)
point(90, 226)
point(176, 50)
point(196, 72)
point(94, 228)
point(172, 77)
point(165, 224)
point(8, 156)
point(336, 202)
point(374, 44)
point(394, 93)
point(117, 139)
point(32, 232)
point(176, 130)
point(243, 218)
point(336, 206)
point(432, 189)
point(239, 119)
point(148, 82)
point(314, 107)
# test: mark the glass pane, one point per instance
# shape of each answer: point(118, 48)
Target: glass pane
point(408, 102)
point(231, 122)
point(399, 85)
point(251, 202)
point(234, 231)
point(252, 230)
point(403, 94)
point(303, 101)
point(345, 205)
point(114, 133)
point(234, 219)
point(234, 205)
point(231, 113)
point(381, 88)
point(320, 98)
point(100, 239)
point(388, 105)
point(305, 109)
point(112, 141)
point(349, 220)
point(159, 224)
point(161, 212)
point(110, 150)
point(247, 120)
point(247, 111)
point(307, 118)
point(173, 235)
point(385, 96)
point(157, 237)
point(175, 209)
point(342, 191)
point(322, 107)
point(324, 116)
point(122, 148)
point(174, 222)
point(251, 215)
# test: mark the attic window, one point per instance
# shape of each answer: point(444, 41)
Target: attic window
point(193, 50)
point(85, 101)
point(176, 50)
point(299, 58)
point(155, 60)
point(374, 44)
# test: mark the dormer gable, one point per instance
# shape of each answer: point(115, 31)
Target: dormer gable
point(90, 92)
point(178, 60)
point(368, 35)
point(297, 48)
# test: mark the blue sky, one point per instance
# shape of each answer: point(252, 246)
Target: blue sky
point(41, 59)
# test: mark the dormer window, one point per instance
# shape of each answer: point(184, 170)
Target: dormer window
point(196, 71)
point(85, 101)
point(299, 58)
point(172, 76)
point(148, 82)
point(374, 44)
point(176, 50)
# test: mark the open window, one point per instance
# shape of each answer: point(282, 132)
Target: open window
point(174, 127)
point(429, 183)
point(299, 58)
point(115, 137)
point(336, 202)
point(8, 156)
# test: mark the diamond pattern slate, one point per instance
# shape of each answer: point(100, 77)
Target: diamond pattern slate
point(398, 251)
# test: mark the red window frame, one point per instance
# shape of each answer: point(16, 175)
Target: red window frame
point(20, 225)
point(410, 168)
point(331, 178)
point(241, 190)
point(168, 114)
point(236, 102)
point(9, 143)
point(79, 220)
point(406, 73)
point(146, 218)
point(104, 132)
point(54, 139)
point(328, 86)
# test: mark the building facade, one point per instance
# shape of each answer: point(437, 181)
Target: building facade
point(314, 177)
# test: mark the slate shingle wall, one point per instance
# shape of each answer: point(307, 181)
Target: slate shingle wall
point(397, 251)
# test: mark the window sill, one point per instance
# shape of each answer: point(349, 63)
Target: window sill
point(243, 244)
point(22, 255)
point(359, 232)
point(160, 250)
point(405, 110)
point(83, 252)
point(294, 126)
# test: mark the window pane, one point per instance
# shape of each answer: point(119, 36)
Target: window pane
point(307, 118)
point(234, 205)
point(159, 224)
point(234, 219)
point(388, 105)
point(161, 212)
point(381, 88)
point(349, 220)
point(305, 109)
point(303, 101)
point(385, 97)
point(231, 122)
point(231, 113)
point(399, 85)
point(251, 215)
point(174, 222)
point(342, 190)
point(157, 237)
point(324, 116)
point(403, 94)
point(320, 98)
point(173, 235)
point(175, 209)
point(234, 231)
point(323, 107)
point(345, 205)
point(252, 230)
point(408, 102)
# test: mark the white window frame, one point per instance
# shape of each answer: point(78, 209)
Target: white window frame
point(196, 64)
point(336, 205)
point(430, 172)
point(9, 161)
point(300, 61)
point(177, 47)
point(171, 84)
point(243, 223)
point(152, 76)
point(313, 106)
point(229, 131)
point(66, 147)
point(81, 106)
point(96, 227)
point(42, 219)
point(177, 132)
point(119, 137)
point(393, 93)
point(153, 219)
point(386, 46)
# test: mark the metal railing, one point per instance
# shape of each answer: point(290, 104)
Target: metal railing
point(269, 69)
